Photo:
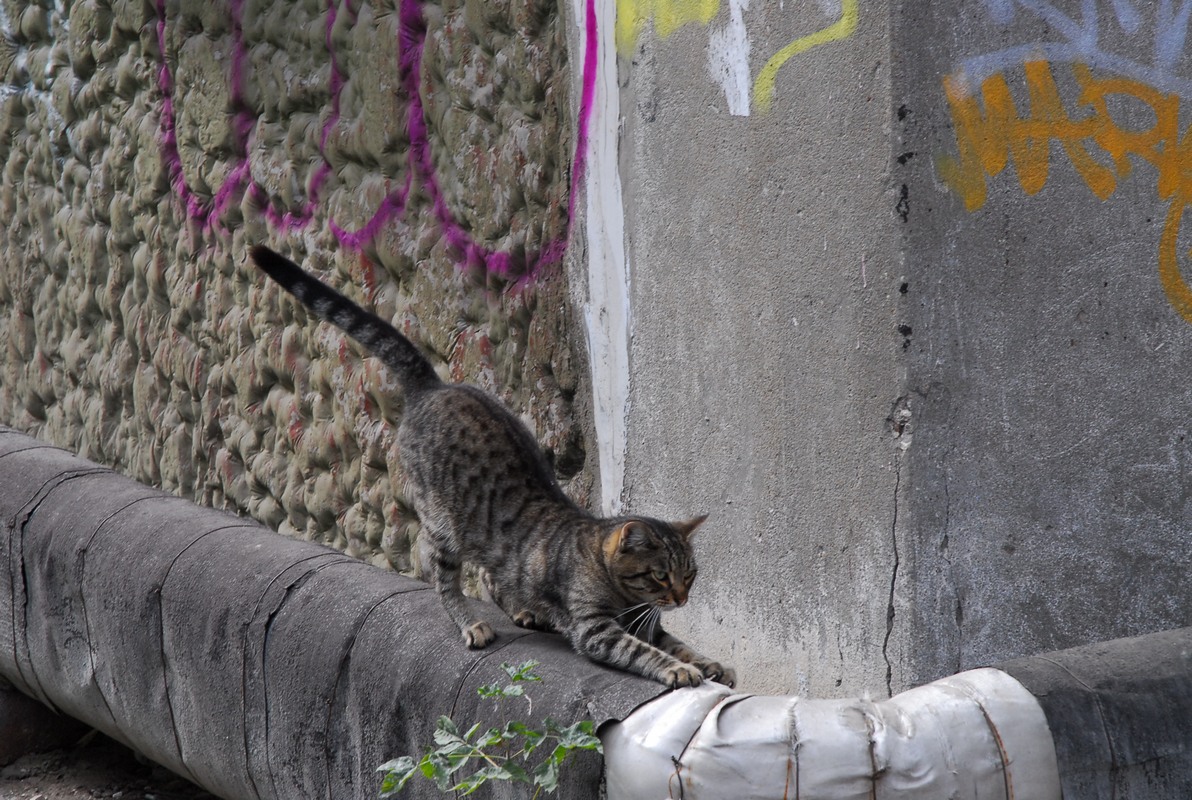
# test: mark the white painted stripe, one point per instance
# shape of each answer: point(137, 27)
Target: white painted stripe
point(728, 59)
point(607, 312)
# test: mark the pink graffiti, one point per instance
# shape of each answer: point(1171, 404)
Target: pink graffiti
point(411, 40)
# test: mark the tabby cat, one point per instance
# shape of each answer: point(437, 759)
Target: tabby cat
point(486, 494)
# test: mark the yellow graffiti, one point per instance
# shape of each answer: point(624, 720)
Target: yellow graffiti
point(763, 87)
point(668, 16)
point(991, 134)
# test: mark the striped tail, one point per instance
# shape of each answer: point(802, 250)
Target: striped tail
point(414, 372)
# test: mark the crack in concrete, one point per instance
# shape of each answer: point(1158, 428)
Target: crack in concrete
point(890, 612)
point(946, 556)
point(287, 593)
point(482, 656)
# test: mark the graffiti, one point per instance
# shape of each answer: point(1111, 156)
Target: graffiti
point(667, 16)
point(729, 47)
point(991, 134)
point(1062, 38)
point(763, 87)
point(420, 174)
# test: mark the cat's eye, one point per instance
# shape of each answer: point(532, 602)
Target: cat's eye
point(661, 576)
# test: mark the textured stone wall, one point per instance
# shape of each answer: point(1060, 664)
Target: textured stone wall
point(417, 155)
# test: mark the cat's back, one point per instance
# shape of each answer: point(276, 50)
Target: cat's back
point(460, 433)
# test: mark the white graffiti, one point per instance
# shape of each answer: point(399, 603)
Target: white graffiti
point(1104, 34)
point(728, 59)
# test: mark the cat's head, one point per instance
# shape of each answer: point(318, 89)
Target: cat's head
point(651, 561)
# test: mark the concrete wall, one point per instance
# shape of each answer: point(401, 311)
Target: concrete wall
point(765, 355)
point(808, 266)
point(925, 363)
point(1052, 332)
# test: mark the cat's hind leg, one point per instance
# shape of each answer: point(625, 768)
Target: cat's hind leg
point(476, 632)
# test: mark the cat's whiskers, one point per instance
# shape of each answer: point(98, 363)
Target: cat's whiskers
point(631, 608)
point(638, 621)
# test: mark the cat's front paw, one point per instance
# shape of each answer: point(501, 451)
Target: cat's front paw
point(681, 675)
point(715, 671)
point(478, 635)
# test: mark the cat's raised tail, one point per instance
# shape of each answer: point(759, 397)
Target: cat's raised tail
point(413, 371)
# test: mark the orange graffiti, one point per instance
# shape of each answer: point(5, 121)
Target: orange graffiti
point(991, 133)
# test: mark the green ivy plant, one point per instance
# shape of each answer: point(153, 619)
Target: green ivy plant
point(515, 752)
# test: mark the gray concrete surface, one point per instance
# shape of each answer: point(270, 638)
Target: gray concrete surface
point(766, 360)
point(1120, 714)
point(937, 403)
point(1048, 370)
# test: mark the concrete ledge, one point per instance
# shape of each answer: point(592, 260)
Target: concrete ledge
point(1120, 714)
point(256, 665)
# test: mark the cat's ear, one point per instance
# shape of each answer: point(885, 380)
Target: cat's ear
point(633, 535)
point(685, 529)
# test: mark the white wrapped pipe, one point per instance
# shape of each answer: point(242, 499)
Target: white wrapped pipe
point(979, 735)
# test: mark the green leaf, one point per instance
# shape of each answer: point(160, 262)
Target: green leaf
point(491, 738)
point(446, 731)
point(580, 736)
point(428, 769)
point(497, 747)
point(493, 772)
point(546, 775)
point(491, 690)
point(522, 672)
point(438, 769)
point(516, 773)
point(397, 773)
point(532, 738)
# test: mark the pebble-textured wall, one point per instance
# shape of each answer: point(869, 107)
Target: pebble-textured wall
point(417, 155)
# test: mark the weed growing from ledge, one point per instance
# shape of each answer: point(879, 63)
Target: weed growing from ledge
point(502, 754)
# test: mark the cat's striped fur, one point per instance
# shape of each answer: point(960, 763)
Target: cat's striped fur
point(486, 494)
